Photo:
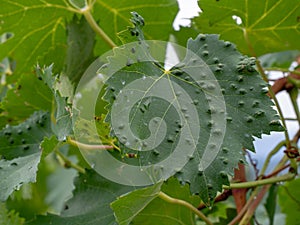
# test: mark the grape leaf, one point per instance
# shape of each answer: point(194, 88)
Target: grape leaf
point(17, 171)
point(9, 217)
point(289, 201)
point(136, 207)
point(90, 203)
point(24, 139)
point(269, 26)
point(159, 15)
point(202, 112)
point(32, 40)
point(62, 125)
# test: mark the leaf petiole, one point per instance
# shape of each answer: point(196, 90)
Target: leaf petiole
point(176, 201)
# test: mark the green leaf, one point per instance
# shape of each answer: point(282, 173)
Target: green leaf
point(139, 205)
point(289, 201)
point(159, 15)
point(271, 202)
point(279, 59)
point(202, 112)
point(9, 217)
point(62, 126)
point(90, 203)
point(127, 207)
point(41, 31)
point(268, 26)
point(17, 171)
point(24, 139)
point(28, 95)
point(81, 40)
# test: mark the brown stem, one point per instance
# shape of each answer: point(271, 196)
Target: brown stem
point(239, 195)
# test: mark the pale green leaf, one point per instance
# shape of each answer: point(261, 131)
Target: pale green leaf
point(279, 59)
point(81, 41)
point(127, 207)
point(266, 25)
point(90, 204)
point(17, 171)
point(289, 201)
point(62, 126)
point(139, 205)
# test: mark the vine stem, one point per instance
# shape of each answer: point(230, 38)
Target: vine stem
point(273, 96)
point(68, 163)
point(98, 30)
point(270, 155)
point(251, 184)
point(176, 201)
point(87, 146)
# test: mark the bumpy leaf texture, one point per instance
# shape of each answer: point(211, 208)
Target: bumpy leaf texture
point(201, 113)
point(14, 173)
point(257, 27)
point(24, 139)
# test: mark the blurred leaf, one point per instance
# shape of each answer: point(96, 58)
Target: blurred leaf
point(279, 59)
point(9, 217)
point(28, 95)
point(127, 207)
point(268, 25)
point(271, 202)
point(81, 40)
point(17, 171)
point(90, 204)
point(289, 200)
point(24, 139)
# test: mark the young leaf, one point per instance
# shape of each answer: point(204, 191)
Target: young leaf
point(24, 139)
point(90, 202)
point(269, 26)
point(203, 111)
point(9, 217)
point(289, 201)
point(62, 126)
point(141, 204)
point(17, 171)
